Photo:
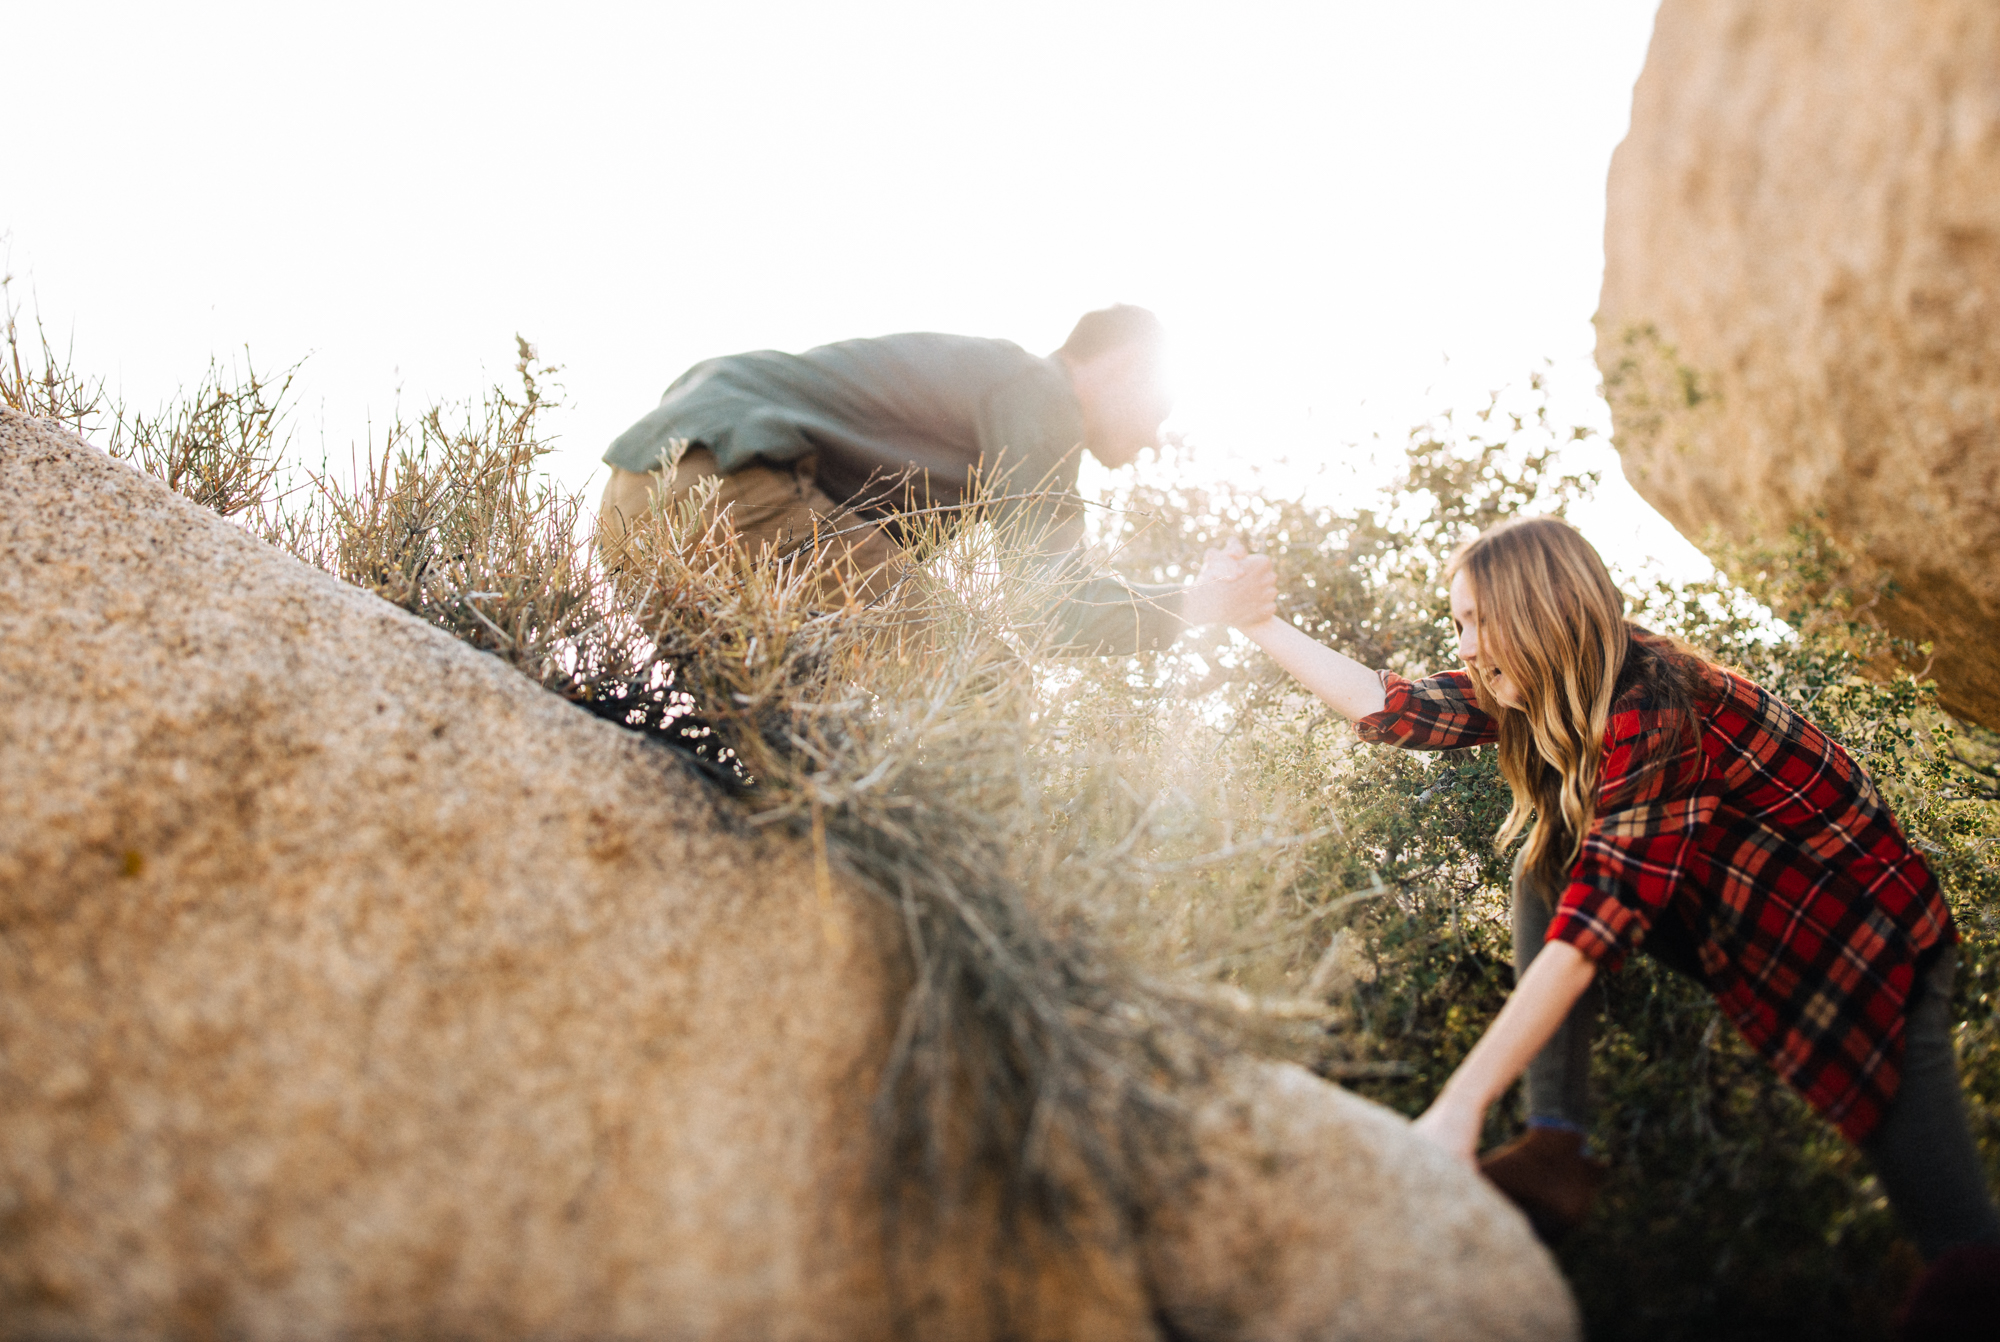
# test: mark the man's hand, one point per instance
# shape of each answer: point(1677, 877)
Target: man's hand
point(1234, 587)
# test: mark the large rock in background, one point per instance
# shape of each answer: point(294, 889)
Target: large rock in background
point(353, 986)
point(1801, 306)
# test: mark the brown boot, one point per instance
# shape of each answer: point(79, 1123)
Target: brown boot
point(1545, 1173)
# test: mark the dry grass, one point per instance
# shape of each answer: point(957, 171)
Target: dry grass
point(37, 381)
point(930, 747)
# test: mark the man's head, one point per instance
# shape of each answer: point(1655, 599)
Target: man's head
point(1115, 357)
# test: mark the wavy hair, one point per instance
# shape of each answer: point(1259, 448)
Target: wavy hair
point(1553, 620)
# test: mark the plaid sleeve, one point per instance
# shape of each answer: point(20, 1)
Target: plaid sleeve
point(1437, 713)
point(1639, 846)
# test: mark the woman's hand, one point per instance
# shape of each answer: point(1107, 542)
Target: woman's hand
point(1537, 1006)
point(1234, 587)
point(1452, 1127)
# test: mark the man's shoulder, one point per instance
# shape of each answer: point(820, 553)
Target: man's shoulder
point(942, 341)
point(958, 366)
point(933, 352)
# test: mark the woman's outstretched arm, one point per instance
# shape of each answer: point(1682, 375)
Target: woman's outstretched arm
point(1545, 994)
point(1348, 687)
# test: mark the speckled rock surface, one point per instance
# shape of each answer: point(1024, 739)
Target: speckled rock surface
point(352, 986)
point(1323, 1217)
point(1806, 213)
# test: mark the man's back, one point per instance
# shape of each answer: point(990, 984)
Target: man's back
point(817, 451)
point(920, 407)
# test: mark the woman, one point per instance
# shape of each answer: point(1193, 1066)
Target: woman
point(1677, 806)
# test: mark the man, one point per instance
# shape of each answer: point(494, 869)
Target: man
point(820, 452)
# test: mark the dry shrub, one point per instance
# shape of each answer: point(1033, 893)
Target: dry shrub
point(220, 444)
point(453, 519)
point(926, 749)
point(39, 382)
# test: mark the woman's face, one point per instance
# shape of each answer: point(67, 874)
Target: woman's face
point(1480, 661)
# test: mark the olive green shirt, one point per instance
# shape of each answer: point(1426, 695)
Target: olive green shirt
point(908, 421)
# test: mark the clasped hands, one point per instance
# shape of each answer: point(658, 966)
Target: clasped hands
point(1234, 587)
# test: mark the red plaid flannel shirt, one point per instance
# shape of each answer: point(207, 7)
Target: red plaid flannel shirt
point(1809, 908)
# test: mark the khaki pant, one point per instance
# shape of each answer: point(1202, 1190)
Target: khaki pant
point(776, 511)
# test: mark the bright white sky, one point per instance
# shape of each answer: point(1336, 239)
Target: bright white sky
point(1349, 214)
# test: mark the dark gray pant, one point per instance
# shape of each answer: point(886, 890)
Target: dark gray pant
point(1922, 1152)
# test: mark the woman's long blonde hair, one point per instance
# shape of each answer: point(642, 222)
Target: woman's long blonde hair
point(1551, 617)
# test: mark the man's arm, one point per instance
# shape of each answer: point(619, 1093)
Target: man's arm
point(1106, 615)
point(1232, 588)
point(1029, 434)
